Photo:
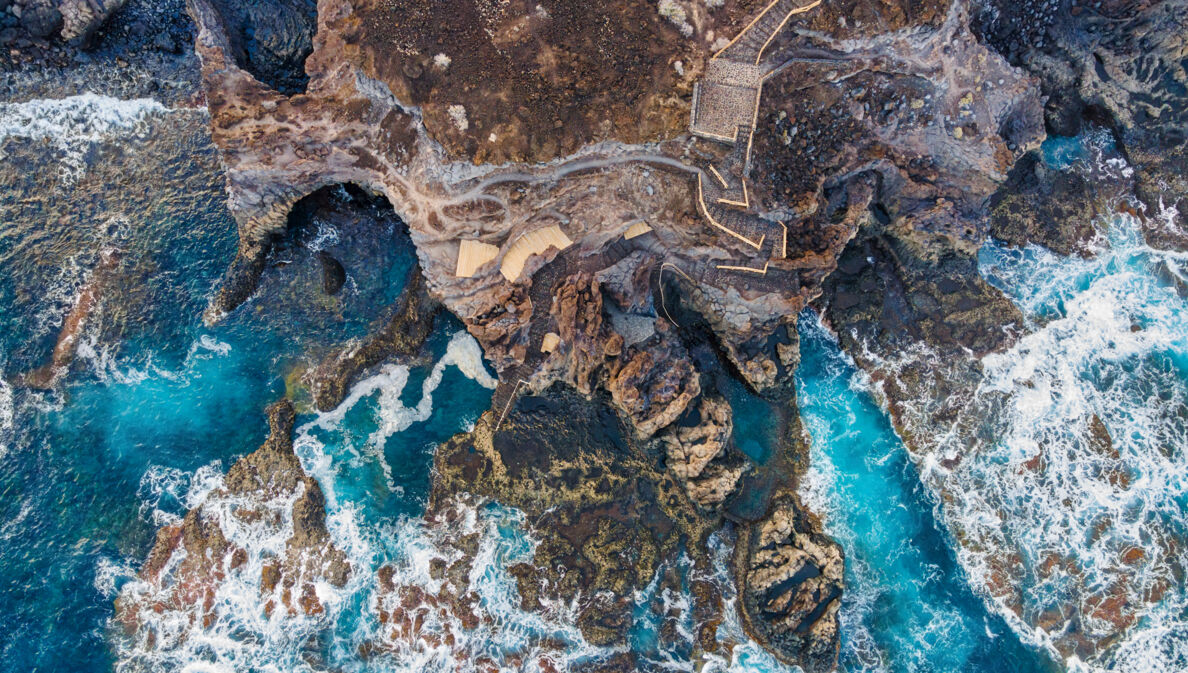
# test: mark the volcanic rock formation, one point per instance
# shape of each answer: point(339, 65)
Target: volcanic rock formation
point(884, 136)
point(265, 526)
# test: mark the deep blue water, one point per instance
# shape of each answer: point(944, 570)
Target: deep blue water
point(908, 606)
point(86, 472)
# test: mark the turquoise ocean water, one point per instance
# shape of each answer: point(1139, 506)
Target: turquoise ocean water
point(158, 408)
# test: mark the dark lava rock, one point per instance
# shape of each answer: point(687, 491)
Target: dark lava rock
point(1117, 63)
point(272, 38)
point(333, 275)
point(40, 17)
point(1055, 209)
point(895, 288)
point(608, 514)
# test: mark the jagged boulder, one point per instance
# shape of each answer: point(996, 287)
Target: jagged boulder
point(654, 382)
point(697, 453)
point(791, 576)
point(265, 498)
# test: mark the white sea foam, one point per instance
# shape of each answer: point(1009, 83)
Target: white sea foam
point(7, 416)
point(240, 635)
point(392, 416)
point(59, 296)
point(167, 493)
point(236, 629)
point(325, 235)
point(207, 346)
point(743, 654)
point(462, 352)
point(109, 574)
point(75, 124)
point(1047, 516)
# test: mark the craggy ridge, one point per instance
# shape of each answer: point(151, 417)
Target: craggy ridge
point(876, 147)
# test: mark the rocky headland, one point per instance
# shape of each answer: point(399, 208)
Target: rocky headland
point(870, 150)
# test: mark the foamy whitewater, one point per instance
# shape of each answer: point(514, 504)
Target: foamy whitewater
point(75, 124)
point(244, 636)
point(145, 428)
point(1072, 476)
point(6, 416)
point(1110, 351)
point(392, 605)
point(392, 416)
point(907, 604)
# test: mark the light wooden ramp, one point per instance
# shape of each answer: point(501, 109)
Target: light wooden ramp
point(533, 243)
point(638, 229)
point(472, 255)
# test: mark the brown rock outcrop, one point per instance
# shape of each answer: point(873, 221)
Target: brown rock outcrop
point(607, 516)
point(655, 382)
point(266, 493)
point(587, 342)
point(696, 453)
point(790, 577)
point(883, 132)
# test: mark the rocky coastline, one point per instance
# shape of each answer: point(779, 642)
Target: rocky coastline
point(891, 142)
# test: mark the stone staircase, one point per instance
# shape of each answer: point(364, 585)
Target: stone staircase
point(725, 109)
point(749, 45)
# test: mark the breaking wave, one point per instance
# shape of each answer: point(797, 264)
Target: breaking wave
point(7, 413)
point(1089, 474)
point(75, 124)
point(1063, 479)
point(426, 592)
point(167, 493)
point(907, 606)
point(422, 594)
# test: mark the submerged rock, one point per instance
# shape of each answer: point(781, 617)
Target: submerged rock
point(891, 139)
point(404, 333)
point(89, 299)
point(333, 274)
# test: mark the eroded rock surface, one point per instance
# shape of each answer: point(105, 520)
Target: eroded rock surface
point(886, 136)
point(609, 513)
point(909, 305)
point(836, 136)
point(1120, 64)
point(791, 576)
point(264, 529)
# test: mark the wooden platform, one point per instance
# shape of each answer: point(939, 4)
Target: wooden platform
point(472, 255)
point(533, 243)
